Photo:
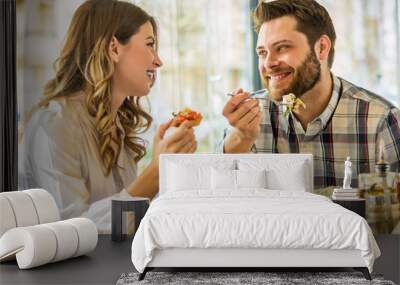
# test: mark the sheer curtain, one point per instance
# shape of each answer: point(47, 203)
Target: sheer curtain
point(205, 48)
point(368, 44)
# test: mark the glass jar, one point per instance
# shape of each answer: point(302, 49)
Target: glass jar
point(381, 193)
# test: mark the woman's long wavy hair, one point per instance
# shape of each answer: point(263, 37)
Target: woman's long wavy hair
point(84, 64)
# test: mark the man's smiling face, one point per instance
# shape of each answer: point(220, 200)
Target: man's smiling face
point(287, 64)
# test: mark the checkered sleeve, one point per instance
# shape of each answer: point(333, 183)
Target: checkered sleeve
point(220, 146)
point(389, 133)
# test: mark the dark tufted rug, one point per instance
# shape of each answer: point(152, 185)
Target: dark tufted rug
point(242, 278)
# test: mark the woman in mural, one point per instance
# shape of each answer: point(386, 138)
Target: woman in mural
point(82, 143)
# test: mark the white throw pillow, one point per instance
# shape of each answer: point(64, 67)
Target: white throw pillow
point(223, 179)
point(291, 180)
point(251, 178)
point(188, 172)
point(280, 174)
point(183, 177)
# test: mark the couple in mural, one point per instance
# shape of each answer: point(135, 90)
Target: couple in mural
point(83, 139)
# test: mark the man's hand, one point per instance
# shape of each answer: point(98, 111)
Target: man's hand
point(245, 116)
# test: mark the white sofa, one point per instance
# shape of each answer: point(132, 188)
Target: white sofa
point(31, 231)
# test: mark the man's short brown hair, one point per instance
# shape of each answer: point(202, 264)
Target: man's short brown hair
point(313, 20)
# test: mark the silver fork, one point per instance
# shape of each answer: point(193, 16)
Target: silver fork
point(259, 94)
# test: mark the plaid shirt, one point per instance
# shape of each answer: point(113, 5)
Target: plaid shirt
point(353, 124)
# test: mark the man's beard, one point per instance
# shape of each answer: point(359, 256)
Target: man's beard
point(305, 78)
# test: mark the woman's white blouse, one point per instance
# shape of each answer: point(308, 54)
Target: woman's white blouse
point(59, 153)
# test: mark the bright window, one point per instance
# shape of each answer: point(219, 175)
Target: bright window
point(205, 48)
point(368, 44)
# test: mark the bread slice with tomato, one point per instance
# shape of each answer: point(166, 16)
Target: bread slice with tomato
point(187, 114)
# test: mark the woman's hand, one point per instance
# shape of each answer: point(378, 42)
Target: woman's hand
point(181, 140)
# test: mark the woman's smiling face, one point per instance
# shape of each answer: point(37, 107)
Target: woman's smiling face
point(137, 62)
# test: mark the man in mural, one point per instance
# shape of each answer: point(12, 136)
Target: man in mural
point(295, 47)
